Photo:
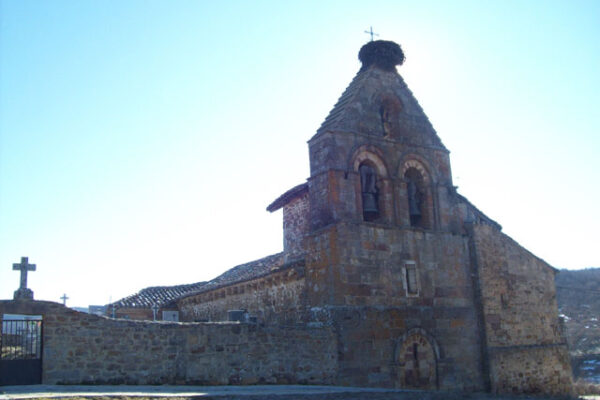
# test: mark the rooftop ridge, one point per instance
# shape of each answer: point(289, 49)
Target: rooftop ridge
point(159, 295)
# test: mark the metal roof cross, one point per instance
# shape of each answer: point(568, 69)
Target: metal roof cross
point(64, 298)
point(370, 32)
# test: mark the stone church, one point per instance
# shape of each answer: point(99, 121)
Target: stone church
point(421, 288)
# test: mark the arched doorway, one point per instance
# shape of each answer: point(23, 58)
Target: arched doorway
point(416, 358)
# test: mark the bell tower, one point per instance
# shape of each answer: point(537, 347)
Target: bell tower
point(386, 250)
point(422, 289)
point(376, 158)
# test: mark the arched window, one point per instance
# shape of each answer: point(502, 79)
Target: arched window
point(369, 192)
point(416, 196)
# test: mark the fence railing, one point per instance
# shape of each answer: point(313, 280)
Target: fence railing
point(21, 340)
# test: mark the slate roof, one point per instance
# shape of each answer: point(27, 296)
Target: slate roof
point(160, 295)
point(288, 196)
point(243, 272)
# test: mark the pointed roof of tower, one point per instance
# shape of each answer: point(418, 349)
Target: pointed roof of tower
point(378, 101)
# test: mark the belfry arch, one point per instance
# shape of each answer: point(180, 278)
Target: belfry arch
point(416, 197)
point(372, 155)
point(372, 185)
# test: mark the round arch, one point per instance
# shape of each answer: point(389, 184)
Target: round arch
point(417, 355)
point(419, 163)
point(372, 185)
point(372, 155)
point(418, 202)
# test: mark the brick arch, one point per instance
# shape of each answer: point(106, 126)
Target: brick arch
point(416, 356)
point(416, 168)
point(373, 156)
point(419, 163)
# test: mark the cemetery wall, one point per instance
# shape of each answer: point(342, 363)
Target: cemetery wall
point(80, 348)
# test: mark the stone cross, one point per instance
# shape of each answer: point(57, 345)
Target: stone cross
point(154, 310)
point(23, 292)
point(370, 32)
point(64, 298)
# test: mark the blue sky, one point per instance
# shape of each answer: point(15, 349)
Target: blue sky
point(140, 141)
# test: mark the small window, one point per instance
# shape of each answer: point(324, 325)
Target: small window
point(411, 278)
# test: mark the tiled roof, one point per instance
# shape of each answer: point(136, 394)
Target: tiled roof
point(160, 295)
point(287, 197)
point(164, 295)
point(244, 272)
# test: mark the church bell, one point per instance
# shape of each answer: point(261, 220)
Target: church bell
point(414, 209)
point(370, 203)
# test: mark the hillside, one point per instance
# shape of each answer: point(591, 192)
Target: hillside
point(578, 296)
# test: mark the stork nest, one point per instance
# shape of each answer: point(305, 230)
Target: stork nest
point(381, 53)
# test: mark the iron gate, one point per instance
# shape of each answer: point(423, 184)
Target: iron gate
point(21, 352)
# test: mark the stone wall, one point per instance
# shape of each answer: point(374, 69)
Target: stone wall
point(525, 339)
point(531, 370)
point(276, 298)
point(132, 313)
point(360, 271)
point(373, 341)
point(83, 348)
point(335, 192)
point(295, 226)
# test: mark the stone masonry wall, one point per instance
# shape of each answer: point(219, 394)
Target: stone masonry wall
point(83, 348)
point(295, 226)
point(132, 313)
point(526, 343)
point(276, 298)
point(358, 270)
point(534, 370)
point(334, 186)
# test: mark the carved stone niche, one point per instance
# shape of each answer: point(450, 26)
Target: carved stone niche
point(389, 116)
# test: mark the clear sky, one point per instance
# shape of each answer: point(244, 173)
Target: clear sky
point(140, 141)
